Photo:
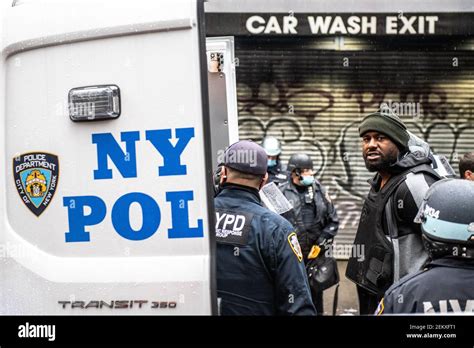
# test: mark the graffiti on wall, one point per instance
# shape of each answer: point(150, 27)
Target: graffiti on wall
point(324, 122)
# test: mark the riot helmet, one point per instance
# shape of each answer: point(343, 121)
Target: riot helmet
point(297, 164)
point(447, 219)
point(272, 146)
point(299, 161)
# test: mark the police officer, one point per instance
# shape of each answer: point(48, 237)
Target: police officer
point(313, 213)
point(276, 169)
point(447, 283)
point(260, 269)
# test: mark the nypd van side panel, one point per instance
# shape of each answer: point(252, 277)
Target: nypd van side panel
point(104, 216)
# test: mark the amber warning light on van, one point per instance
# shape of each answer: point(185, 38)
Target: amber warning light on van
point(94, 103)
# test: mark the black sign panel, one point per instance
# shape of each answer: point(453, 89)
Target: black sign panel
point(355, 24)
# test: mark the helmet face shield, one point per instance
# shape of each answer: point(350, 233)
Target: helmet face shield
point(446, 216)
point(447, 231)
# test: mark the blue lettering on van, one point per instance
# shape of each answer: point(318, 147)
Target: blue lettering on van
point(126, 163)
point(80, 218)
point(151, 216)
point(171, 154)
point(180, 215)
point(77, 218)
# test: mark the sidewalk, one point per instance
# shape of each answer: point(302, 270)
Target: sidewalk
point(348, 302)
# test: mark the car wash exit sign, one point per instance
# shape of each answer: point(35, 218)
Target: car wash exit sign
point(311, 24)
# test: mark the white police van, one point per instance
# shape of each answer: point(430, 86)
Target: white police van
point(106, 199)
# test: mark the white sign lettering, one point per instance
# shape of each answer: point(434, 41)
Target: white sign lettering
point(340, 25)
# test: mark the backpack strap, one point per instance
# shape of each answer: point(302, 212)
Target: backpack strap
point(417, 186)
point(393, 233)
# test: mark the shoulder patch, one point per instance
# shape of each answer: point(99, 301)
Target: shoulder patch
point(295, 246)
point(233, 227)
point(380, 308)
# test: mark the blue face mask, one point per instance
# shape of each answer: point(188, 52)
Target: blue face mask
point(272, 162)
point(307, 180)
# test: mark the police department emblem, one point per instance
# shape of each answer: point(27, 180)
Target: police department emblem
point(36, 179)
point(295, 246)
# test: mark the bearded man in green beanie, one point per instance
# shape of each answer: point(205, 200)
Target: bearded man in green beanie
point(389, 238)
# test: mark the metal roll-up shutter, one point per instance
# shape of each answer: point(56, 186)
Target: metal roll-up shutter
point(311, 93)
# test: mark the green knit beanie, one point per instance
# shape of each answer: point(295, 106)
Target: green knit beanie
point(387, 123)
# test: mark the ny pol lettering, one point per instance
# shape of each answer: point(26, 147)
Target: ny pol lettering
point(124, 158)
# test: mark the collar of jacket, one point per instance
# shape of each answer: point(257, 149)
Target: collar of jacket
point(409, 160)
point(454, 262)
point(240, 191)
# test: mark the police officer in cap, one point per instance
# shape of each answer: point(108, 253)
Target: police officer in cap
point(446, 284)
point(276, 169)
point(313, 213)
point(260, 269)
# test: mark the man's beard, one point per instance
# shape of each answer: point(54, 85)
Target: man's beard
point(383, 163)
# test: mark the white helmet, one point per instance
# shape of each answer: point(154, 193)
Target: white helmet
point(272, 146)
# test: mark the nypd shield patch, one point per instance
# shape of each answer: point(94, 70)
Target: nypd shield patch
point(295, 246)
point(36, 178)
